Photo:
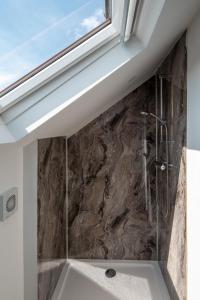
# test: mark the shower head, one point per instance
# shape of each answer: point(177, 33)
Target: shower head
point(146, 114)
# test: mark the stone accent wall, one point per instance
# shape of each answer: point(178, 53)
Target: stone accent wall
point(52, 225)
point(172, 230)
point(107, 213)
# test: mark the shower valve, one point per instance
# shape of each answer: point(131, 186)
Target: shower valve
point(161, 165)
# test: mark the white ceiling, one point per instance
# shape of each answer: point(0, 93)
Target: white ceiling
point(113, 75)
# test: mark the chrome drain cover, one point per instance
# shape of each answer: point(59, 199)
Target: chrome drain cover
point(110, 273)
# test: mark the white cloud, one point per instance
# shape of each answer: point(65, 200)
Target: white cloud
point(6, 79)
point(93, 21)
point(90, 23)
point(15, 68)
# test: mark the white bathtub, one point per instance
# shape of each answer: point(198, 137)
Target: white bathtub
point(134, 280)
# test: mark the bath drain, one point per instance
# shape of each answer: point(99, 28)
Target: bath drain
point(110, 273)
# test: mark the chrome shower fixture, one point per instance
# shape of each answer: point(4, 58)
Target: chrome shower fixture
point(161, 165)
point(164, 166)
point(146, 114)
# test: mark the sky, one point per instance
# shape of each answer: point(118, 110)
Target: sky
point(32, 31)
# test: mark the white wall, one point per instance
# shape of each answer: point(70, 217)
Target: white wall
point(30, 221)
point(11, 230)
point(193, 159)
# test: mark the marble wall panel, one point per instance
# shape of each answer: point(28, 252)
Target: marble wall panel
point(107, 214)
point(52, 198)
point(52, 226)
point(172, 229)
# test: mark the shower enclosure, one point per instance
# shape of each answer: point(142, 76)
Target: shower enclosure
point(125, 197)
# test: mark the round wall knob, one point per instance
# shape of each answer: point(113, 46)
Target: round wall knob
point(163, 167)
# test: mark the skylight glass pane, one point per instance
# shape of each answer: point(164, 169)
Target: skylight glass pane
point(32, 31)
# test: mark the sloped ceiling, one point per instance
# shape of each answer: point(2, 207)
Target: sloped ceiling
point(115, 74)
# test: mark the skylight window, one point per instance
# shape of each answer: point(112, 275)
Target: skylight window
point(35, 33)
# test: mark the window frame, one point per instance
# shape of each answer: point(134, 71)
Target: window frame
point(63, 61)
